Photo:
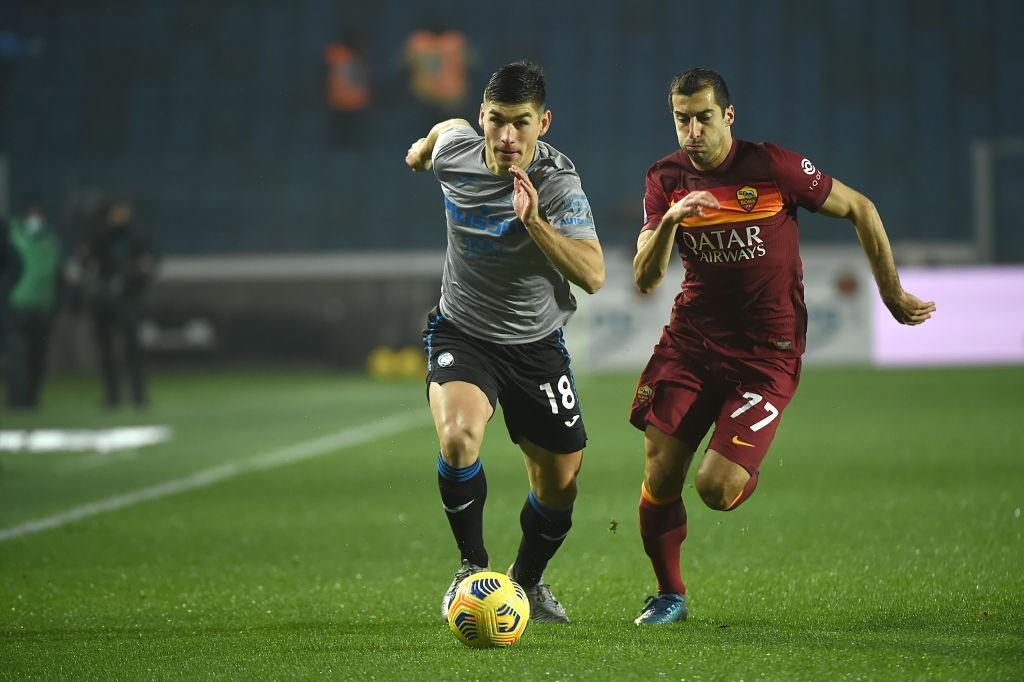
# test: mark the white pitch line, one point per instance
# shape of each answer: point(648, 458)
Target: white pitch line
point(388, 426)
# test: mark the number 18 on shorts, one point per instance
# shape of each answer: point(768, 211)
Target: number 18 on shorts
point(532, 382)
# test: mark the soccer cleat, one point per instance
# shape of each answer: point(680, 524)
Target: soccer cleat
point(467, 569)
point(544, 608)
point(665, 608)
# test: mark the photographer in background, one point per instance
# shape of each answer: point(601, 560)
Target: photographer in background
point(117, 264)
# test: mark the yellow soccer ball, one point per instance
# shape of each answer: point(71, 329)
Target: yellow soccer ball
point(489, 609)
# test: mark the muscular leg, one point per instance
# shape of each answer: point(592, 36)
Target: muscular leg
point(723, 484)
point(744, 430)
point(662, 514)
point(547, 513)
point(552, 475)
point(460, 412)
point(667, 461)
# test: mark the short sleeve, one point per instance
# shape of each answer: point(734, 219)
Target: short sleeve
point(566, 206)
point(800, 181)
point(655, 201)
point(449, 142)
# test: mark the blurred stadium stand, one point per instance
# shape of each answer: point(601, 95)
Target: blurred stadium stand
point(213, 115)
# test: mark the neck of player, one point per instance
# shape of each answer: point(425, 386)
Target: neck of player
point(718, 159)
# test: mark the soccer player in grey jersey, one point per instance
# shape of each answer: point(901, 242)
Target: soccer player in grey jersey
point(520, 229)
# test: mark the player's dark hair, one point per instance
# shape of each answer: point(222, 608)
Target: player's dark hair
point(517, 83)
point(695, 80)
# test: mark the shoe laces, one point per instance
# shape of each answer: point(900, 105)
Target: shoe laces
point(543, 593)
point(467, 570)
point(658, 603)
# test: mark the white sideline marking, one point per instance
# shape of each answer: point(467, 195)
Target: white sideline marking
point(291, 454)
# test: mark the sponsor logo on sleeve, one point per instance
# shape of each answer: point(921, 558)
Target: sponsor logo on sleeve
point(575, 210)
point(815, 174)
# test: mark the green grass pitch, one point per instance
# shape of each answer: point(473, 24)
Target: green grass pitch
point(884, 540)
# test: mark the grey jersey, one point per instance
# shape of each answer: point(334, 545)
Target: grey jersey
point(498, 285)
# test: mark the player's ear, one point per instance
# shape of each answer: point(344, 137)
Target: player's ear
point(545, 121)
point(730, 115)
point(480, 120)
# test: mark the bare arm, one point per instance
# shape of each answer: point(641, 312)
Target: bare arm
point(654, 247)
point(420, 152)
point(845, 202)
point(580, 261)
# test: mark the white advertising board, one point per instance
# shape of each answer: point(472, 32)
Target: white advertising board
point(979, 319)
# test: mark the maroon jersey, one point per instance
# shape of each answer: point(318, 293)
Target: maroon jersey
point(743, 293)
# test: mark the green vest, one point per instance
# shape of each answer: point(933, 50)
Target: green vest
point(40, 258)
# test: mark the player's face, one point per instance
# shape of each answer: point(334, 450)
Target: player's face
point(703, 129)
point(511, 132)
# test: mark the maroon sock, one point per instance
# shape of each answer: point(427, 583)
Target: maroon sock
point(747, 491)
point(663, 529)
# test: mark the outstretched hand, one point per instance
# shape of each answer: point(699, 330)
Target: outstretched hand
point(692, 204)
point(909, 309)
point(525, 201)
point(418, 156)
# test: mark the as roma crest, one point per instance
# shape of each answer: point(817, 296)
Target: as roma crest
point(644, 393)
point(747, 196)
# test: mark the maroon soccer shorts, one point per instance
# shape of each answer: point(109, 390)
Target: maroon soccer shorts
point(686, 388)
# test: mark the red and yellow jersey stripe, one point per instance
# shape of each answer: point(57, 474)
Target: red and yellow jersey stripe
point(739, 203)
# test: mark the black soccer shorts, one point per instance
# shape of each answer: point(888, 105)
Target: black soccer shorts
point(532, 381)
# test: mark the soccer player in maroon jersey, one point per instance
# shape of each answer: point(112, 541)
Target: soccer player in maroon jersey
point(730, 355)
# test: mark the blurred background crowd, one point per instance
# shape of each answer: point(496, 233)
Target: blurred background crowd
point(222, 182)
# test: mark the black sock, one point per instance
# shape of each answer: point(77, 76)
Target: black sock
point(544, 530)
point(463, 493)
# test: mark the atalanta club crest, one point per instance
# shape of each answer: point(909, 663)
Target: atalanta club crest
point(644, 393)
point(747, 196)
